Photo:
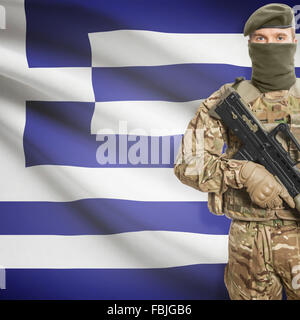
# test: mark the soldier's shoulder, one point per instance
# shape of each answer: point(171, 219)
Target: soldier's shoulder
point(215, 97)
point(221, 89)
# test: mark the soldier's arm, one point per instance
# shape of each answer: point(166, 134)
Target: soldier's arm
point(200, 162)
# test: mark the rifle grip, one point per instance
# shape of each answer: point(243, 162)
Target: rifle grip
point(297, 202)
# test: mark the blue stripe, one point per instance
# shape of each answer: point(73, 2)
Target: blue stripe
point(189, 282)
point(57, 30)
point(108, 216)
point(179, 83)
point(58, 133)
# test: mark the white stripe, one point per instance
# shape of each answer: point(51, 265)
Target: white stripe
point(63, 183)
point(155, 118)
point(148, 48)
point(144, 249)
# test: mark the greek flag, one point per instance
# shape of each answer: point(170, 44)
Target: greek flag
point(95, 97)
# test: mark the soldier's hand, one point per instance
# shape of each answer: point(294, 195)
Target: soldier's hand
point(263, 188)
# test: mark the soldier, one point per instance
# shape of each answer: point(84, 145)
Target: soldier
point(264, 236)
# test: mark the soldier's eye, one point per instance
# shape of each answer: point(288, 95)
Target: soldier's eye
point(280, 38)
point(260, 38)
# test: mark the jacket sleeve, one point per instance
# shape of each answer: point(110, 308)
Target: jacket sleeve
point(200, 162)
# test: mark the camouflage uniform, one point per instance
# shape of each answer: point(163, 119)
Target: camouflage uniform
point(263, 243)
point(261, 259)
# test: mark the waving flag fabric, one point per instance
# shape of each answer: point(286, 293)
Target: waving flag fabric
point(95, 97)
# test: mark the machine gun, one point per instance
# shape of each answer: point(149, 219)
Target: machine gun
point(259, 145)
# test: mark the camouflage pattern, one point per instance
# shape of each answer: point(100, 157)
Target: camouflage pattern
point(218, 174)
point(261, 259)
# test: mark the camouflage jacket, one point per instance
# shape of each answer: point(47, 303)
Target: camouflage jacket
point(201, 162)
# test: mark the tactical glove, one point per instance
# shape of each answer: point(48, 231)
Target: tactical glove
point(262, 186)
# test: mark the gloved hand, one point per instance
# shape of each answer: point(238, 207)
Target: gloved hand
point(262, 186)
